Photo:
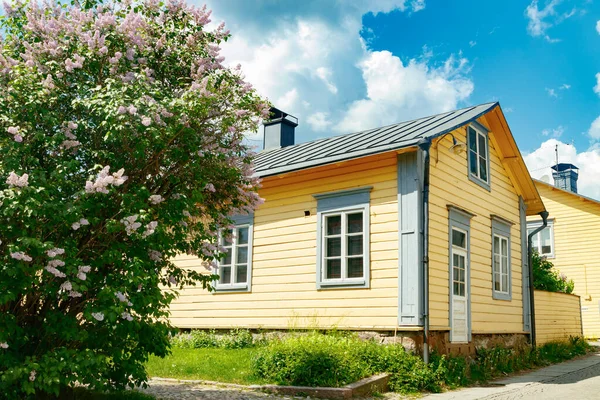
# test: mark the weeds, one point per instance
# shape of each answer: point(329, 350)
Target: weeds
point(196, 339)
point(337, 358)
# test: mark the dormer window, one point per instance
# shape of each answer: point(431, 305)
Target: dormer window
point(479, 155)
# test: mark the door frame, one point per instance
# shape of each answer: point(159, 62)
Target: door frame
point(459, 219)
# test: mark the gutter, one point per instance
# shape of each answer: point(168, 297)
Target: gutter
point(424, 146)
point(544, 215)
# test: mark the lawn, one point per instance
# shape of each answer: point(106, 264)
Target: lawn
point(213, 364)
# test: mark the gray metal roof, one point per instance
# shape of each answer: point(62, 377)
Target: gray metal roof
point(360, 144)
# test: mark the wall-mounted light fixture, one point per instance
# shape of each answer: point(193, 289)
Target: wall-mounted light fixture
point(457, 147)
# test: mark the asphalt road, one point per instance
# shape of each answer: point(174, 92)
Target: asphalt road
point(573, 380)
point(579, 385)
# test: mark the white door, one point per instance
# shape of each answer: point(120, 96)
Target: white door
point(459, 290)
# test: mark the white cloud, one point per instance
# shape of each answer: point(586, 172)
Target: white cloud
point(554, 92)
point(555, 133)
point(540, 20)
point(551, 92)
point(417, 5)
point(539, 163)
point(594, 131)
point(598, 27)
point(472, 43)
point(597, 87)
point(398, 91)
point(319, 121)
point(324, 74)
point(310, 61)
point(288, 100)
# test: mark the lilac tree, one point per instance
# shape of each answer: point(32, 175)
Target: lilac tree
point(121, 135)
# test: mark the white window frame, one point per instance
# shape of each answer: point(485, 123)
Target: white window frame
point(343, 280)
point(550, 227)
point(332, 203)
point(501, 229)
point(476, 178)
point(461, 251)
point(499, 274)
point(235, 286)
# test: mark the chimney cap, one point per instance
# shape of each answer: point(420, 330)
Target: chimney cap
point(563, 167)
point(280, 116)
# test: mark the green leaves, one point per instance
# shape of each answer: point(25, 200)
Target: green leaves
point(134, 87)
point(545, 277)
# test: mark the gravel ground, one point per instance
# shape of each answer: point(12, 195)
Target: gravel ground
point(185, 391)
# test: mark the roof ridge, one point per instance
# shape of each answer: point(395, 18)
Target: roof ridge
point(386, 126)
point(370, 141)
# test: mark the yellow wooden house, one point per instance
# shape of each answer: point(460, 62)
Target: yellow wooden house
point(571, 240)
point(413, 228)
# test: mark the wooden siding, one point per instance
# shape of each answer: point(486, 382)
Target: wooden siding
point(576, 241)
point(450, 185)
point(284, 293)
point(557, 316)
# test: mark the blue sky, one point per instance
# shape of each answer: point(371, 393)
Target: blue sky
point(342, 66)
point(543, 81)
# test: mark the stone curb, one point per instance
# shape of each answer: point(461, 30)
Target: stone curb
point(364, 387)
point(201, 382)
point(376, 383)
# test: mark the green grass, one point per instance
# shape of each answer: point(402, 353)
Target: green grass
point(222, 365)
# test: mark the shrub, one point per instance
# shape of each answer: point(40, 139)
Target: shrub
point(322, 360)
point(312, 360)
point(408, 372)
point(121, 137)
point(545, 277)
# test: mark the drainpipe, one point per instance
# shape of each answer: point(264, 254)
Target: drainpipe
point(544, 215)
point(424, 146)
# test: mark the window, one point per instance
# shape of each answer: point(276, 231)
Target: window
point(501, 265)
point(459, 262)
point(343, 239)
point(478, 155)
point(542, 241)
point(234, 269)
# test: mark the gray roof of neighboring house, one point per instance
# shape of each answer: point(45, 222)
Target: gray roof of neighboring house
point(360, 144)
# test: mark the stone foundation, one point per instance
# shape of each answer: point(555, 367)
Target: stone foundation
point(440, 342)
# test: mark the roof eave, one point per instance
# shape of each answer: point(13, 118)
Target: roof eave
point(513, 161)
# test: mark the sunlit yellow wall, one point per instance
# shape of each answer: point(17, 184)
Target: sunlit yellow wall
point(450, 185)
point(577, 248)
point(284, 293)
point(556, 316)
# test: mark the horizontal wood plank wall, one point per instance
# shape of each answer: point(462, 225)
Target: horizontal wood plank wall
point(284, 293)
point(577, 242)
point(557, 316)
point(450, 185)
